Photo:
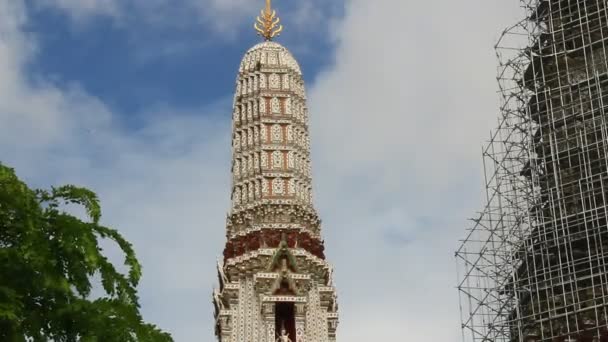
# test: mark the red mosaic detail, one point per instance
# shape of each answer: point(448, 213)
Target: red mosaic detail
point(268, 238)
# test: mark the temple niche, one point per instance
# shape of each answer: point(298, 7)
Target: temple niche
point(274, 281)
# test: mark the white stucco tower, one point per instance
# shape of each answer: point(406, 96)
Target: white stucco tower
point(274, 281)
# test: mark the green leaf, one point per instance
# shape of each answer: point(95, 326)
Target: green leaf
point(48, 259)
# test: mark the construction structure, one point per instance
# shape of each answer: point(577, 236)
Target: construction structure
point(534, 263)
point(274, 281)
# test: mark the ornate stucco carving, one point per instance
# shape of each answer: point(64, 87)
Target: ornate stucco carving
point(274, 251)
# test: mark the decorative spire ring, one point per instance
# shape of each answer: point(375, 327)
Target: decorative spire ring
point(268, 24)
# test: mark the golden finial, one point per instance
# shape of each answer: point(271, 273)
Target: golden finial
point(267, 23)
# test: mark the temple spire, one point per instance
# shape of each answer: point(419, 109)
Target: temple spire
point(268, 24)
point(275, 284)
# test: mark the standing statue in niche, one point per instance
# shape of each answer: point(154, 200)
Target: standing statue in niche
point(283, 337)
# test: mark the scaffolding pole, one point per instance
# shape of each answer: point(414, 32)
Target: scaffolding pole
point(534, 264)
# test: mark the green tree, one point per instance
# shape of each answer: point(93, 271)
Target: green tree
point(48, 260)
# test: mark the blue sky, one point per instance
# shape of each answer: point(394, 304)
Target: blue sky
point(131, 63)
point(131, 98)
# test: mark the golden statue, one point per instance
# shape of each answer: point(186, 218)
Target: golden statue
point(268, 24)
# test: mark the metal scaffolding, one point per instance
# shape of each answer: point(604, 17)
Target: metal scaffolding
point(534, 264)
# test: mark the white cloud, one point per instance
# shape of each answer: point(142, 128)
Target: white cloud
point(163, 186)
point(397, 123)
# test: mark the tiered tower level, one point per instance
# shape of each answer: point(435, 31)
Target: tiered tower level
point(535, 263)
point(274, 275)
